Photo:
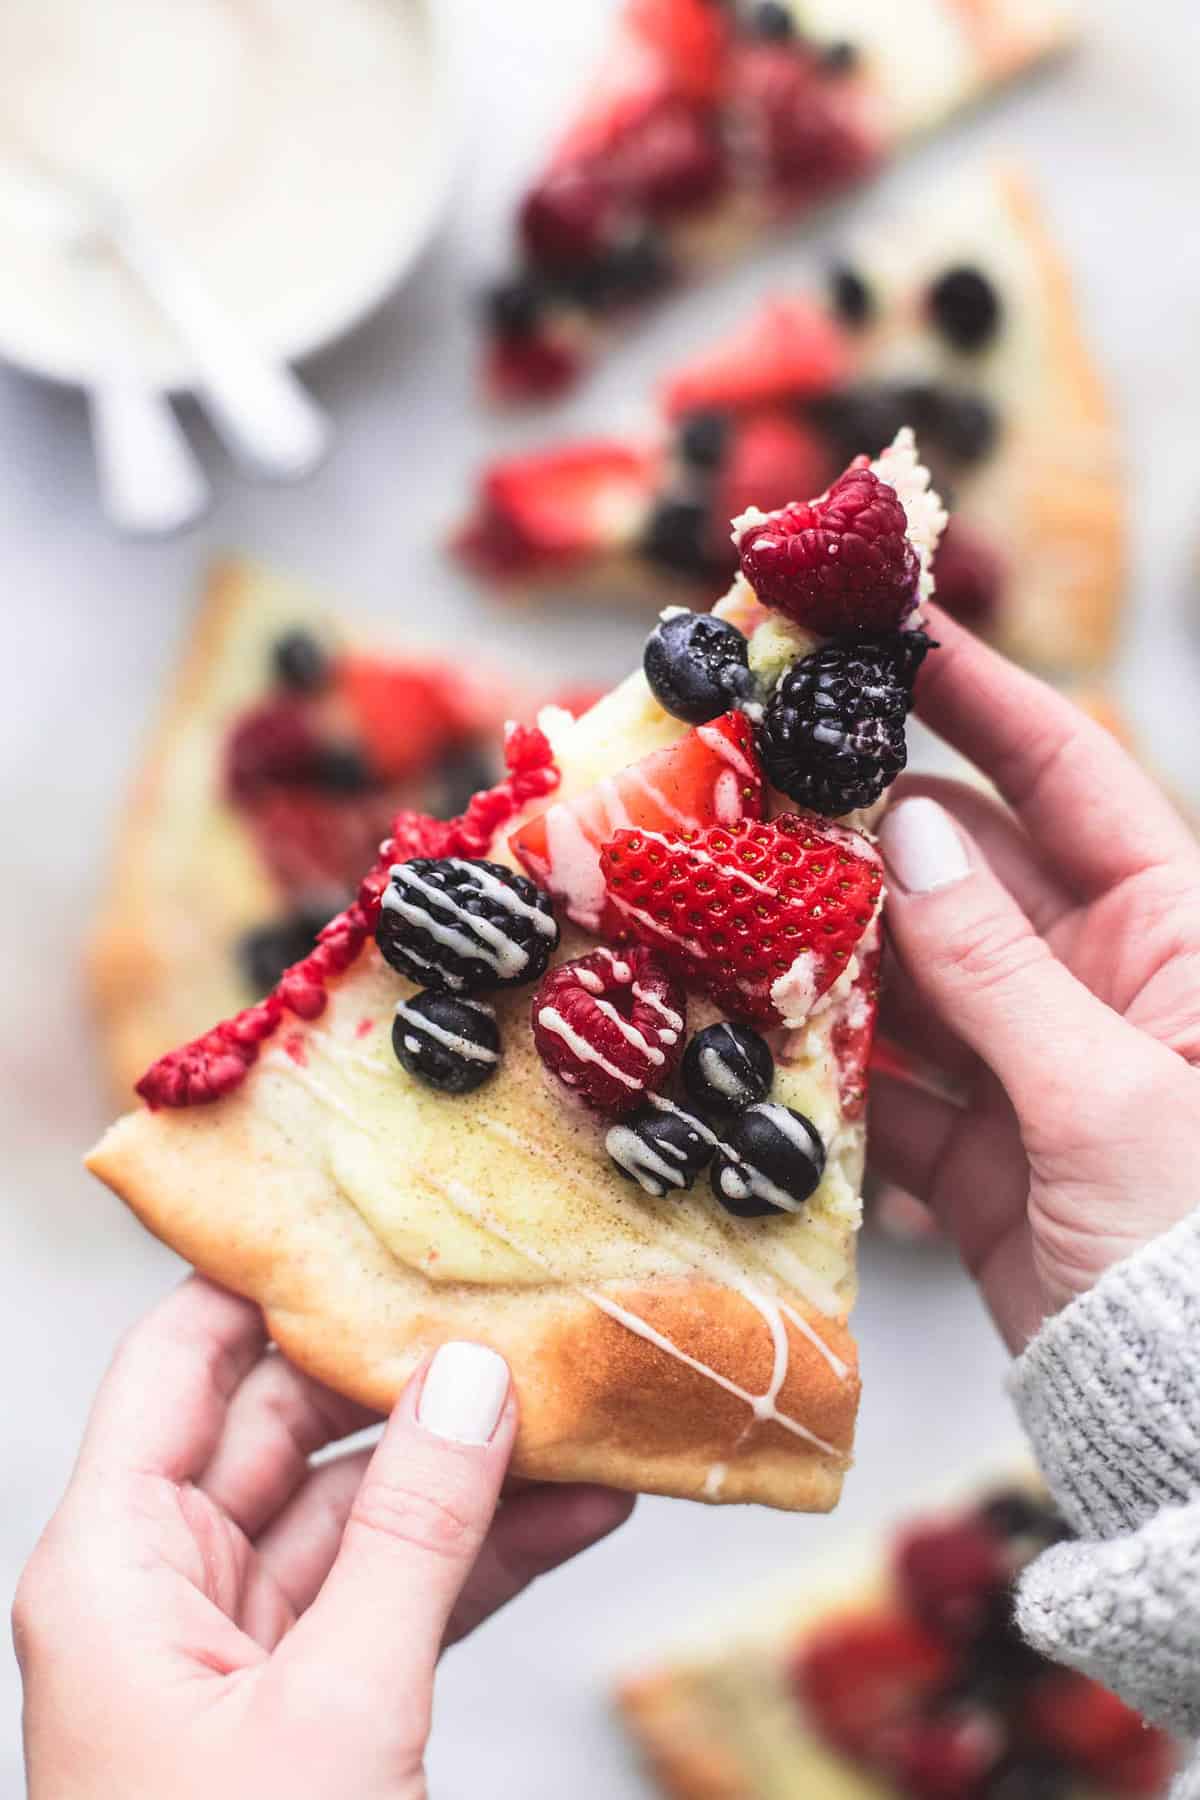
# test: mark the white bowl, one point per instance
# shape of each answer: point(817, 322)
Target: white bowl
point(296, 152)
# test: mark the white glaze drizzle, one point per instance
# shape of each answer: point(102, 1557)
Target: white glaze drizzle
point(630, 1033)
point(696, 854)
point(650, 1165)
point(472, 936)
point(552, 1020)
point(727, 750)
point(674, 1021)
point(714, 1481)
point(461, 1046)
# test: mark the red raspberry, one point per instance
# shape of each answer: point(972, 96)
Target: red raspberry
point(737, 910)
point(570, 217)
point(800, 123)
point(212, 1065)
point(771, 459)
point(858, 1676)
point(610, 1026)
point(671, 159)
point(273, 743)
point(839, 565)
point(945, 1758)
point(969, 576)
point(951, 1576)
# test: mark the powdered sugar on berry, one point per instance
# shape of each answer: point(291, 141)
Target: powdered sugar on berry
point(902, 469)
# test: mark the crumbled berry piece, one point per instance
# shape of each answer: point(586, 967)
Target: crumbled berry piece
point(610, 1026)
point(763, 918)
point(965, 307)
point(837, 565)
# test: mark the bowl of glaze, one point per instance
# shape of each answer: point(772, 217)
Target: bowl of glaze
point(298, 153)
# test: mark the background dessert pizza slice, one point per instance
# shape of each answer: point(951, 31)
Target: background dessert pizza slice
point(581, 1073)
point(960, 320)
point(709, 126)
point(285, 747)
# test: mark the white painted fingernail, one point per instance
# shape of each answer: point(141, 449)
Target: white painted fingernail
point(464, 1393)
point(922, 849)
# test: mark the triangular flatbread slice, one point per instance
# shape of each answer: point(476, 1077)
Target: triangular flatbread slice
point(710, 127)
point(198, 920)
point(962, 315)
point(688, 1340)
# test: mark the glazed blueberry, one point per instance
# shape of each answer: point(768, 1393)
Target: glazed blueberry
point(965, 307)
point(341, 769)
point(773, 21)
point(850, 294)
point(446, 1041)
point(696, 666)
point(663, 1148)
point(727, 1068)
point(677, 536)
point(267, 951)
point(460, 924)
point(299, 662)
point(771, 1160)
point(702, 439)
point(514, 307)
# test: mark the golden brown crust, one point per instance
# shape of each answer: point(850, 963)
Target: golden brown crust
point(598, 1403)
point(680, 1739)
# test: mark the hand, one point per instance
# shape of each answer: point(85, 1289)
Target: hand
point(1049, 972)
point(210, 1617)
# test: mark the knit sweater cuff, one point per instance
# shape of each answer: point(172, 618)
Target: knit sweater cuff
point(1108, 1392)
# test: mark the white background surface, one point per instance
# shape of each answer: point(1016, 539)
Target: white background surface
point(90, 626)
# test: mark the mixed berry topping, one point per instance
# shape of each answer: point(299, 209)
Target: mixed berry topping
point(769, 1161)
point(840, 564)
point(662, 1148)
point(764, 918)
point(611, 1027)
point(697, 666)
point(833, 736)
point(448, 1041)
point(463, 925)
point(935, 1695)
point(965, 307)
point(727, 1068)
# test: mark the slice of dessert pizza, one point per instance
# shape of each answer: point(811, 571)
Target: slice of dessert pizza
point(900, 1676)
point(961, 320)
point(581, 1073)
point(711, 124)
point(286, 746)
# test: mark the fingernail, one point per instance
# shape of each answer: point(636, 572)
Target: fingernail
point(464, 1393)
point(922, 849)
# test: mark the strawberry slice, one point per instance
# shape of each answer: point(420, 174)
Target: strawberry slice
point(854, 1035)
point(791, 349)
point(709, 777)
point(772, 460)
point(763, 918)
point(691, 37)
point(1083, 1723)
point(555, 507)
point(407, 717)
point(858, 1676)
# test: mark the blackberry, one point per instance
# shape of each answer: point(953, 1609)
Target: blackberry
point(839, 57)
point(677, 536)
point(514, 307)
point(461, 925)
point(300, 662)
point(460, 776)
point(965, 307)
point(773, 21)
point(702, 439)
point(629, 271)
point(771, 1161)
point(265, 952)
point(727, 1068)
point(662, 1148)
point(449, 1043)
point(965, 425)
point(862, 419)
point(833, 735)
point(696, 666)
point(1015, 1513)
point(1029, 1778)
point(852, 299)
point(341, 769)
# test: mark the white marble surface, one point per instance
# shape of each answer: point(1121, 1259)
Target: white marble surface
point(90, 626)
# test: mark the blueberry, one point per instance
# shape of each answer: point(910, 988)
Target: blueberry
point(696, 666)
point(268, 950)
point(702, 439)
point(514, 307)
point(965, 425)
point(773, 21)
point(839, 57)
point(864, 418)
point(677, 536)
point(341, 769)
point(772, 1159)
point(299, 662)
point(662, 1148)
point(965, 307)
point(450, 1043)
point(727, 1068)
point(852, 301)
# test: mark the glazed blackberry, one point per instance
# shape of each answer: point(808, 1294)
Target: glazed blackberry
point(300, 662)
point(677, 536)
point(965, 307)
point(464, 925)
point(771, 1160)
point(697, 666)
point(268, 950)
point(662, 1148)
point(702, 439)
point(850, 294)
point(833, 735)
point(727, 1068)
point(448, 1042)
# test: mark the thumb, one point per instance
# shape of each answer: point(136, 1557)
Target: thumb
point(417, 1524)
point(976, 959)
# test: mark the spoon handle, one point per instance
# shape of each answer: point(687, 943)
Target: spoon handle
point(150, 480)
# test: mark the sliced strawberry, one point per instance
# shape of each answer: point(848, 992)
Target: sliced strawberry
point(1143, 1770)
point(407, 717)
point(1081, 1722)
point(772, 460)
point(854, 1034)
point(691, 38)
point(790, 349)
point(764, 917)
point(555, 507)
point(710, 776)
point(858, 1676)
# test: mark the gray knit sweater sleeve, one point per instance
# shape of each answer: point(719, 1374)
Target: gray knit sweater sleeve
point(1109, 1392)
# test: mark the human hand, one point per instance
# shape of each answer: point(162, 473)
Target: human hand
point(1049, 973)
point(209, 1617)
